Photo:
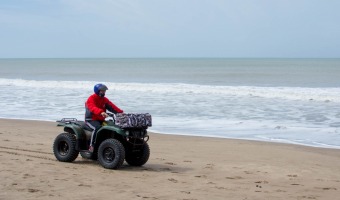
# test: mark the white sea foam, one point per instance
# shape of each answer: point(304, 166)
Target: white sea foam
point(289, 93)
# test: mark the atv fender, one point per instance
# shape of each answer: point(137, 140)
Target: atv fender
point(74, 129)
point(118, 130)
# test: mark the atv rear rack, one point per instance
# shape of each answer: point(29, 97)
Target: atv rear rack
point(67, 120)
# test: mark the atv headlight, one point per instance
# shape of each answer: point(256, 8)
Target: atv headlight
point(127, 133)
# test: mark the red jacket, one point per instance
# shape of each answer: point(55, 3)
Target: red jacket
point(95, 105)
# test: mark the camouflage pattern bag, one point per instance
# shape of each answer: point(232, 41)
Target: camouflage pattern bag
point(133, 120)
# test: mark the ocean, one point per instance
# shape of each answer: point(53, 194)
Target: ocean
point(278, 100)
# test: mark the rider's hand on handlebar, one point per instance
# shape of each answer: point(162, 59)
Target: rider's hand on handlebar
point(104, 114)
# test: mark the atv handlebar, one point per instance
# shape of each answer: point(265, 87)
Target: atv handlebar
point(112, 115)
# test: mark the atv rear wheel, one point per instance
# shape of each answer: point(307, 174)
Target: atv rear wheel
point(64, 147)
point(138, 158)
point(111, 154)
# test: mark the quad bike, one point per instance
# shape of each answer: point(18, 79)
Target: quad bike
point(113, 144)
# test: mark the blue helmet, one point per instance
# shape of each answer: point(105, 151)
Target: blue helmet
point(99, 87)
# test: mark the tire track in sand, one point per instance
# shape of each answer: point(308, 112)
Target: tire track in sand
point(27, 152)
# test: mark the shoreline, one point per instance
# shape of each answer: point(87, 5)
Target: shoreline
point(180, 167)
point(323, 146)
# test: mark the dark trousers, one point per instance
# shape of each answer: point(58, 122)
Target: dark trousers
point(95, 125)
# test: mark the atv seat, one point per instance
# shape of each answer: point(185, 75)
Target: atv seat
point(84, 126)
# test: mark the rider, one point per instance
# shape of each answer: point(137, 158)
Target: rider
point(95, 110)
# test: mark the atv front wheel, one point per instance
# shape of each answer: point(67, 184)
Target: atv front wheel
point(64, 147)
point(111, 154)
point(138, 158)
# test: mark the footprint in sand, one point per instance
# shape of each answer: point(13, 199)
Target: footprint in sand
point(28, 176)
point(145, 197)
point(234, 177)
point(296, 184)
point(292, 175)
point(209, 166)
point(84, 185)
point(170, 163)
point(280, 190)
point(264, 182)
point(172, 180)
point(221, 188)
point(307, 197)
point(326, 188)
point(33, 190)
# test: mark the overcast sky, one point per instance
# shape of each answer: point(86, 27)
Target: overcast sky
point(169, 28)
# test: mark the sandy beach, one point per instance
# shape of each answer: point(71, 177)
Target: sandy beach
point(180, 167)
